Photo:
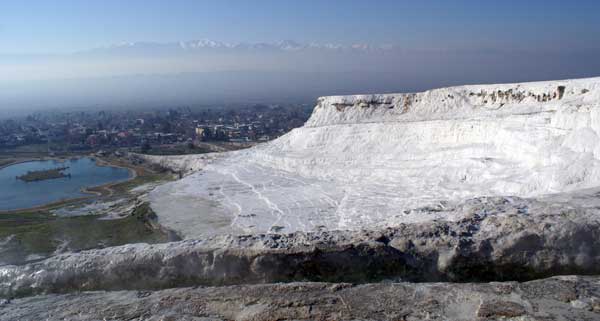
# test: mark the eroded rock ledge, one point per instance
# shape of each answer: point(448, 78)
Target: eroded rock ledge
point(557, 298)
point(500, 239)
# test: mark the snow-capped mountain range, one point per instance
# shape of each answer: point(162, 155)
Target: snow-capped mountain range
point(207, 44)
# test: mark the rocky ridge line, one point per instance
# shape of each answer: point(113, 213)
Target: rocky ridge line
point(498, 240)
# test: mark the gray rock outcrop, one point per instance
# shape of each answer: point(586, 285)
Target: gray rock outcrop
point(557, 298)
point(500, 239)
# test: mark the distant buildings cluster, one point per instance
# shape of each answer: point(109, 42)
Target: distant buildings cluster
point(117, 129)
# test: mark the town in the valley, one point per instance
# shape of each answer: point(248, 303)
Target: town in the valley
point(162, 131)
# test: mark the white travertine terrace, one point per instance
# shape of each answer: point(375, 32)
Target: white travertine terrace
point(373, 161)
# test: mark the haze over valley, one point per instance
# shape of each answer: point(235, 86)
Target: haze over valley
point(199, 73)
point(207, 53)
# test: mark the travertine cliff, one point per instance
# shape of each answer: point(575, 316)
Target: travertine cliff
point(369, 161)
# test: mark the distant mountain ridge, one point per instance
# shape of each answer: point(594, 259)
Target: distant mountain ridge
point(207, 44)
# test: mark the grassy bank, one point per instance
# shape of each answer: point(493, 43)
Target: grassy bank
point(142, 174)
point(38, 233)
point(6, 161)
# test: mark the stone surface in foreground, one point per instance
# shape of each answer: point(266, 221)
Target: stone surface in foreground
point(498, 240)
point(557, 298)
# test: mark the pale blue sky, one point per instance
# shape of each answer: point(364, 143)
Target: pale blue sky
point(60, 26)
point(46, 56)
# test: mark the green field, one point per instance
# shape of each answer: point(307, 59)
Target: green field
point(6, 161)
point(38, 233)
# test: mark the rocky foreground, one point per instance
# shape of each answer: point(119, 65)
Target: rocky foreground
point(557, 298)
point(500, 239)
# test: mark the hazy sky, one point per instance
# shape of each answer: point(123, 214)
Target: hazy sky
point(45, 46)
point(50, 26)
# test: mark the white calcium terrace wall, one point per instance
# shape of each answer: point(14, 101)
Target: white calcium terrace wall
point(375, 160)
point(462, 135)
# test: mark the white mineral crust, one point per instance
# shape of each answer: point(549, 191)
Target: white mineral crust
point(372, 161)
